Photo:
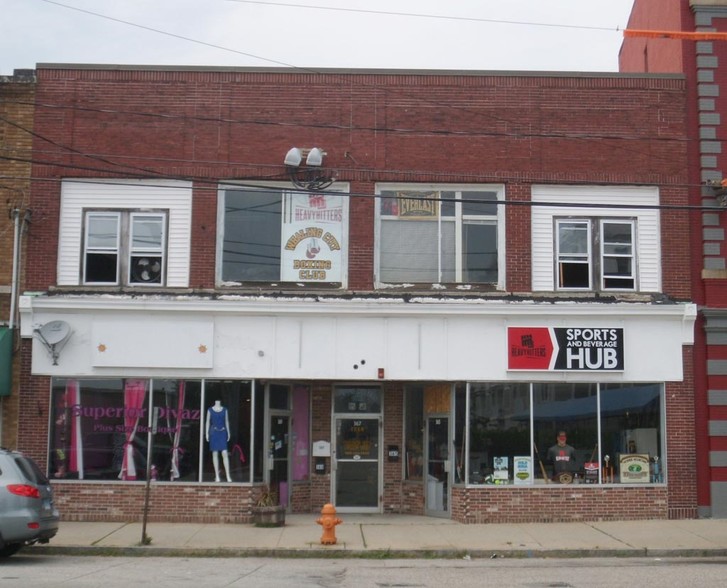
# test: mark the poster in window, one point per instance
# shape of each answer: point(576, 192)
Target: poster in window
point(522, 470)
point(312, 238)
point(634, 468)
point(417, 205)
point(500, 468)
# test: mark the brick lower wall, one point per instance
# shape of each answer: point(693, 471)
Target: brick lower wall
point(124, 502)
point(573, 503)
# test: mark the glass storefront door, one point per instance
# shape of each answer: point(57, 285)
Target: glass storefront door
point(357, 463)
point(438, 466)
point(278, 456)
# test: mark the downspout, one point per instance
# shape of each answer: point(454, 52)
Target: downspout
point(19, 219)
point(15, 214)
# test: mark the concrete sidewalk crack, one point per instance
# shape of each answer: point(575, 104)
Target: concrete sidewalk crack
point(612, 536)
point(109, 534)
point(363, 537)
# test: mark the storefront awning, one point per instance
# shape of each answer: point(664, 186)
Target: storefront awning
point(6, 361)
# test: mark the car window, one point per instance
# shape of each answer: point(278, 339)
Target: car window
point(30, 470)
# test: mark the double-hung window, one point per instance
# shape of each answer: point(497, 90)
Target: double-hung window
point(124, 248)
point(440, 235)
point(594, 253)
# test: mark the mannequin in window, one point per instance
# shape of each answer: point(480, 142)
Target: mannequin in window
point(563, 458)
point(217, 433)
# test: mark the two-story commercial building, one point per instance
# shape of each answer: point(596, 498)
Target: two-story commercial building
point(444, 293)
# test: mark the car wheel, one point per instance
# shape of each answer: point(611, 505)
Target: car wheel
point(10, 549)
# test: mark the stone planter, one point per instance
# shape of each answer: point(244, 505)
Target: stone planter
point(268, 516)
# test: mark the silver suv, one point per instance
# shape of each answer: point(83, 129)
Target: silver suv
point(27, 513)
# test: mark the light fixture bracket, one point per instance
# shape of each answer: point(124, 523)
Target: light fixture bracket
point(309, 176)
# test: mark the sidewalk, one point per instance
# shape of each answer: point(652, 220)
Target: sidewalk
point(402, 536)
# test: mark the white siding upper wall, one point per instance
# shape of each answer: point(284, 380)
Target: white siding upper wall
point(77, 195)
point(648, 231)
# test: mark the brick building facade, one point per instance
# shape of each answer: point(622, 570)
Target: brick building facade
point(17, 93)
point(501, 256)
point(702, 62)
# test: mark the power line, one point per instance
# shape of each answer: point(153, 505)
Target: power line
point(308, 70)
point(429, 16)
point(168, 34)
point(330, 126)
point(459, 177)
point(67, 148)
point(211, 184)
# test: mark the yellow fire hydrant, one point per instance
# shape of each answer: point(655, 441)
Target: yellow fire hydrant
point(328, 520)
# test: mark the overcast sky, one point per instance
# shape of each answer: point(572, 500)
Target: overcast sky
point(543, 35)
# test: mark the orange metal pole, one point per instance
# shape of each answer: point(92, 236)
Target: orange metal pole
point(686, 35)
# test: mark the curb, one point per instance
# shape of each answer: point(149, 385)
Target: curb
point(221, 552)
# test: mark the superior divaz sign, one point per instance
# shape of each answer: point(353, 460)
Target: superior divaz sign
point(565, 349)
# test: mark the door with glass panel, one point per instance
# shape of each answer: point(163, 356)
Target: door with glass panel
point(357, 463)
point(438, 466)
point(356, 451)
point(278, 452)
point(279, 441)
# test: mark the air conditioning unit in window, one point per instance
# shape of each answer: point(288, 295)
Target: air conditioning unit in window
point(146, 270)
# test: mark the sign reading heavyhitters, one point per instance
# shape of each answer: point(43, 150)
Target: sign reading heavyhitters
point(565, 349)
point(311, 244)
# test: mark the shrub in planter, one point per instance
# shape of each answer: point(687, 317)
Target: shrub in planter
point(267, 512)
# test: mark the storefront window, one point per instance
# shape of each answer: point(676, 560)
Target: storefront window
point(231, 463)
point(414, 432)
point(175, 445)
point(101, 429)
point(568, 409)
point(561, 433)
point(499, 427)
point(87, 433)
point(631, 417)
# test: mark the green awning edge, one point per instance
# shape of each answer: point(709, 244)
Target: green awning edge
point(6, 361)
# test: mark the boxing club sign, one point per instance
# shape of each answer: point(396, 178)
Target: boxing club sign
point(565, 349)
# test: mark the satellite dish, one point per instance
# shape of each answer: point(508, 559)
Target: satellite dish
point(55, 331)
point(146, 270)
point(54, 335)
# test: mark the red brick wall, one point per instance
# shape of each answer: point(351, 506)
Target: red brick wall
point(320, 492)
point(33, 413)
point(680, 435)
point(519, 245)
point(361, 238)
point(214, 125)
point(641, 54)
point(557, 504)
point(17, 94)
point(167, 502)
point(393, 471)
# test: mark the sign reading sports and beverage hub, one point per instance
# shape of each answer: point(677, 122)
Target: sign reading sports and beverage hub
point(565, 349)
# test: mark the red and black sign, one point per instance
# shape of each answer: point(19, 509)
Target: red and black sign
point(565, 349)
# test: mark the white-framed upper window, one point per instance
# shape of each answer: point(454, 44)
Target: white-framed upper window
point(107, 242)
point(582, 240)
point(440, 234)
point(595, 254)
point(124, 248)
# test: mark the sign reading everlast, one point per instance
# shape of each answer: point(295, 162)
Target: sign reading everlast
point(565, 349)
